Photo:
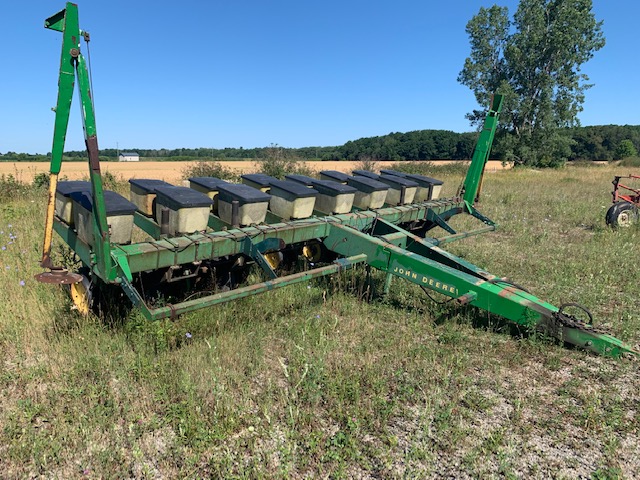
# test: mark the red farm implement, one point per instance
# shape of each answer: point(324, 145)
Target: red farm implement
point(626, 200)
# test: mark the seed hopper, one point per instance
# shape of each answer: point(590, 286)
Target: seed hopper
point(204, 238)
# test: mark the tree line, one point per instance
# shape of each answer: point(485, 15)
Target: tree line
point(604, 142)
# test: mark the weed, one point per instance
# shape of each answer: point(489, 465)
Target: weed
point(208, 168)
point(11, 187)
point(278, 162)
point(41, 180)
point(368, 164)
point(607, 473)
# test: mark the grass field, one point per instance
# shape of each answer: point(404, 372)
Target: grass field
point(322, 380)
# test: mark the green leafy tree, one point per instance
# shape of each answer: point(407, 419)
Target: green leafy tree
point(626, 149)
point(535, 61)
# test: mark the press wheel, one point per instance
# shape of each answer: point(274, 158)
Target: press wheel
point(312, 251)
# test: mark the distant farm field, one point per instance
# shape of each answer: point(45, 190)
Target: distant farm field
point(330, 379)
point(173, 171)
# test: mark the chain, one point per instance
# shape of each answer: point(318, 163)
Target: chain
point(570, 321)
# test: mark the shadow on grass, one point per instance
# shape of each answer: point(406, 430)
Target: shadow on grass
point(445, 311)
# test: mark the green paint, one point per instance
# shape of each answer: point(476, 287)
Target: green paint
point(72, 66)
point(481, 153)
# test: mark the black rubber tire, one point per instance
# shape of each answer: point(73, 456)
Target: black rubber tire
point(621, 215)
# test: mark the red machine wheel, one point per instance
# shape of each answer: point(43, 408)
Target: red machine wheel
point(622, 214)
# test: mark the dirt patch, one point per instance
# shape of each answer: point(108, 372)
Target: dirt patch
point(173, 171)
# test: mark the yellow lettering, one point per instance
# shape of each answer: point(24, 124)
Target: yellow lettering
point(425, 279)
point(414, 275)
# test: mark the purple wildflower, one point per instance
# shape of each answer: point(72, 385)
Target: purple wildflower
point(22, 283)
point(188, 335)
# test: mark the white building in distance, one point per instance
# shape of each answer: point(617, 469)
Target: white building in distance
point(128, 157)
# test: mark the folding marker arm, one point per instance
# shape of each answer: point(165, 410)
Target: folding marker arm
point(72, 67)
point(473, 181)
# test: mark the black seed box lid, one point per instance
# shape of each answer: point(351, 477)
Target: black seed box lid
point(295, 189)
point(397, 182)
point(115, 203)
point(211, 183)
point(66, 188)
point(393, 172)
point(332, 189)
point(259, 179)
point(335, 175)
point(366, 184)
point(242, 193)
point(366, 173)
point(424, 179)
point(181, 197)
point(304, 179)
point(149, 185)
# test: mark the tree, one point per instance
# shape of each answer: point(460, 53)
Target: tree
point(534, 60)
point(626, 149)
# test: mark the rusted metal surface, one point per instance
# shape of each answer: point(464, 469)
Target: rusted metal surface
point(58, 277)
point(94, 155)
point(631, 194)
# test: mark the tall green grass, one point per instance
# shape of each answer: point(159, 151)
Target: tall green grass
point(316, 381)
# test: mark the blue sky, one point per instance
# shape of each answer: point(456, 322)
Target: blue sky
point(254, 72)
